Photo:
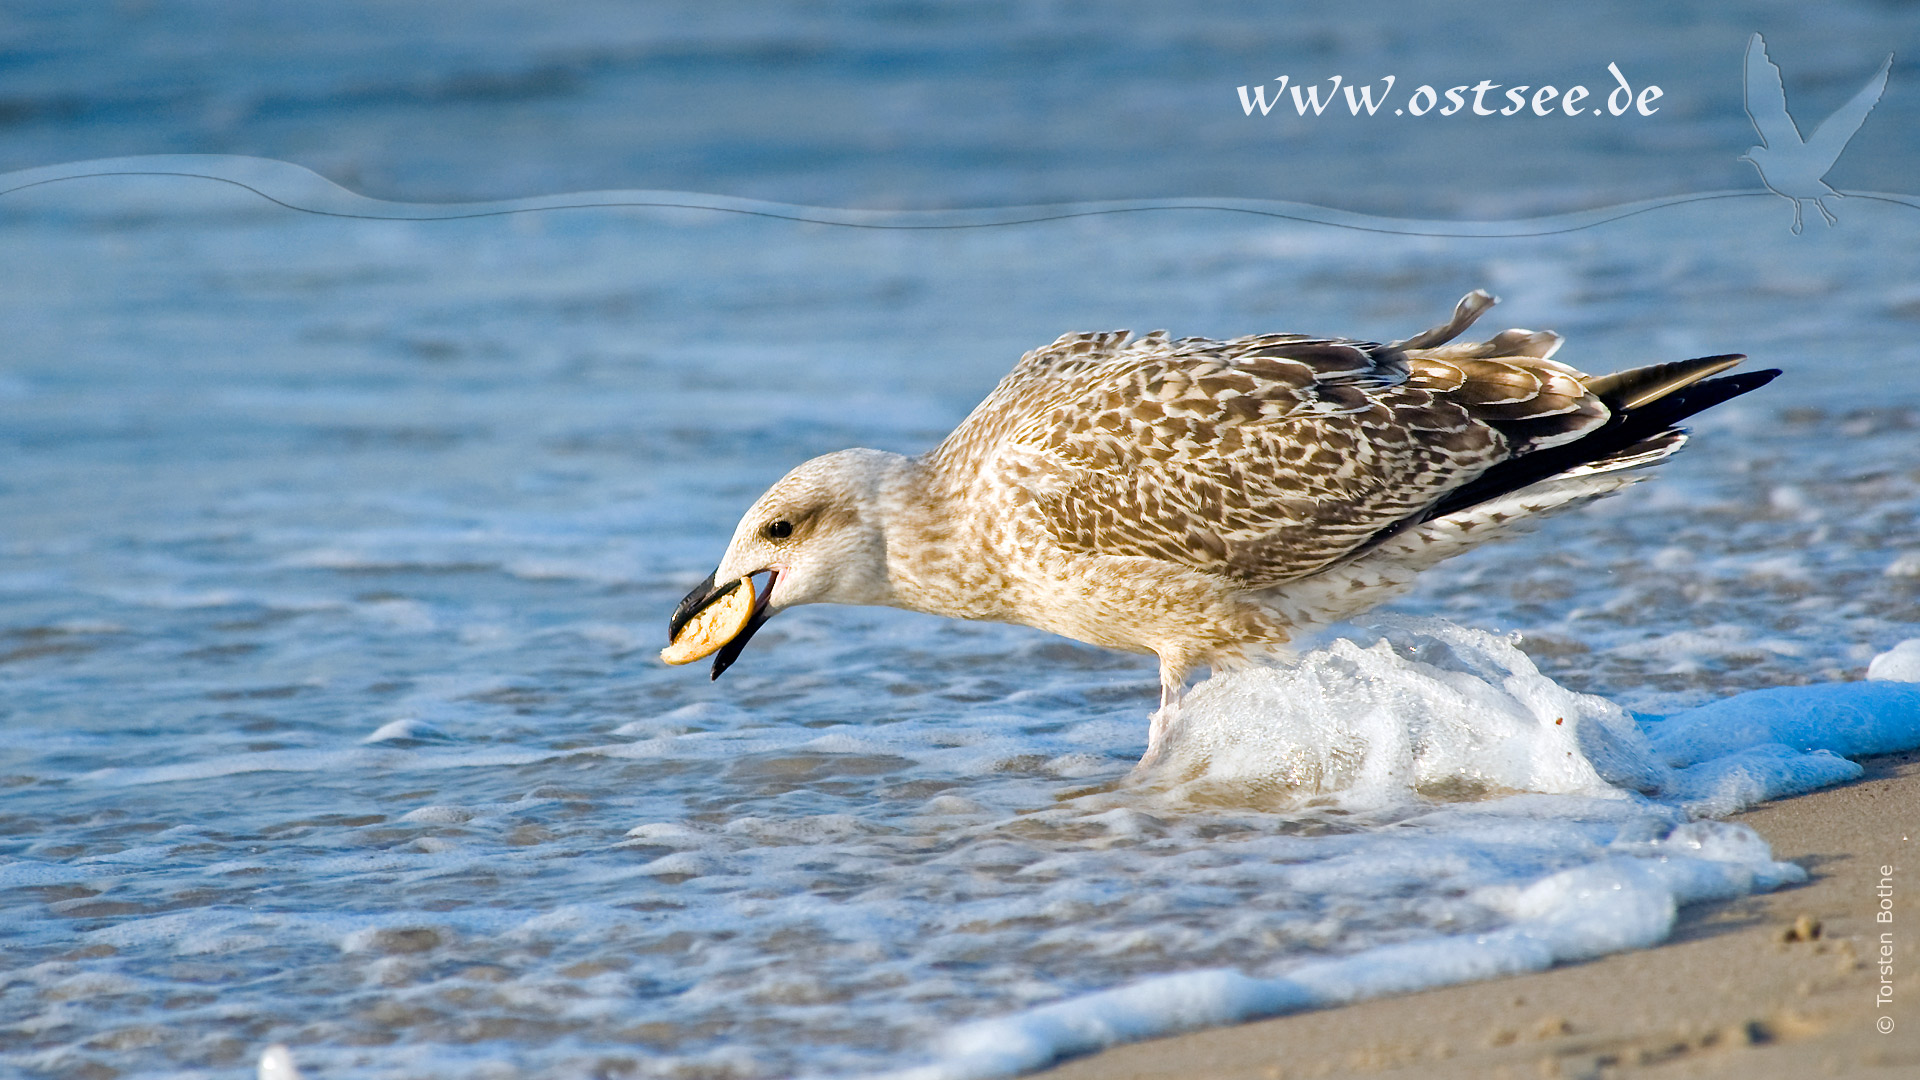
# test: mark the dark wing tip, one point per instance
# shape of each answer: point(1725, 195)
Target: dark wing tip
point(1637, 387)
point(1620, 435)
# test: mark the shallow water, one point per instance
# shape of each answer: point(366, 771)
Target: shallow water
point(898, 103)
point(337, 552)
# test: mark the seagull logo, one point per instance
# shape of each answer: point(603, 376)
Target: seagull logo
point(1789, 165)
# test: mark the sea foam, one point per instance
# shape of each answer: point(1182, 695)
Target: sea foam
point(1430, 710)
point(329, 717)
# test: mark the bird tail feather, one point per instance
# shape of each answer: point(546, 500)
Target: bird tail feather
point(1646, 403)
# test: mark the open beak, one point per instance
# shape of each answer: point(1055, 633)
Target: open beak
point(706, 593)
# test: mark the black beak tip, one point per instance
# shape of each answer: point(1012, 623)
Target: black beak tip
point(706, 593)
point(690, 605)
point(730, 652)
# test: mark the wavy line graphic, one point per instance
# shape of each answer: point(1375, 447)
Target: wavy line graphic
point(299, 189)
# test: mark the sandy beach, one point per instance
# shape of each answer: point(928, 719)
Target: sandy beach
point(1780, 985)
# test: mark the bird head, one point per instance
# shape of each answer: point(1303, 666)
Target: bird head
point(818, 536)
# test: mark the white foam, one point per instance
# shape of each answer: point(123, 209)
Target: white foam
point(276, 1063)
point(1492, 822)
point(1588, 911)
point(407, 727)
point(440, 815)
point(1904, 566)
point(1898, 664)
point(1755, 774)
point(1849, 719)
point(1429, 706)
point(1433, 704)
point(328, 761)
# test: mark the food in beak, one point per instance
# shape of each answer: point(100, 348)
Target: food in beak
point(719, 621)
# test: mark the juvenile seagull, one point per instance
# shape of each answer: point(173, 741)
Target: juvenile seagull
point(1204, 500)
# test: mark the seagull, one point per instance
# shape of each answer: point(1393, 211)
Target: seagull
point(1205, 501)
point(1789, 165)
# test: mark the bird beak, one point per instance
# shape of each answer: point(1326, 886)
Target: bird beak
point(705, 594)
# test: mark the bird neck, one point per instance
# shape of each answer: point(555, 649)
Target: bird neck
point(938, 559)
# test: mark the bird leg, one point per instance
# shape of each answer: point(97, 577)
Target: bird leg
point(1797, 223)
point(1173, 687)
point(1826, 213)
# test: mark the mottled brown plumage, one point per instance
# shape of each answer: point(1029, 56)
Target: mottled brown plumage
point(1208, 500)
point(1262, 458)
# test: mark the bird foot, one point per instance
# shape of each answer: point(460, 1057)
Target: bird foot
point(1158, 725)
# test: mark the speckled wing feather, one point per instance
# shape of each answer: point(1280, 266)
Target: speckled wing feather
point(1263, 458)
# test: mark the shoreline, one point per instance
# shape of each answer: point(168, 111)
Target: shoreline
point(1749, 987)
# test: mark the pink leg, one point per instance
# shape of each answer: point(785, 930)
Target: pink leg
point(1173, 686)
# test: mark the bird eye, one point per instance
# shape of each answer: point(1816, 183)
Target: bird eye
point(779, 530)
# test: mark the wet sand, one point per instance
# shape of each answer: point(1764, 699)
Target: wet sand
point(1781, 985)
